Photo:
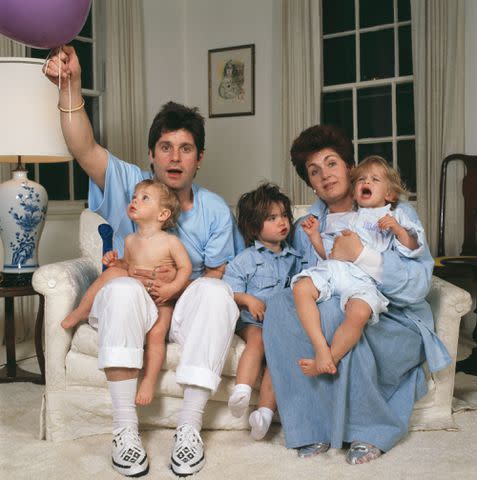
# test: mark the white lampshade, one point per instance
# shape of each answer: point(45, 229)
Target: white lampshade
point(29, 117)
point(30, 131)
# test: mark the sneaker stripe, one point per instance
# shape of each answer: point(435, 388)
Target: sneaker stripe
point(198, 461)
point(128, 466)
point(119, 465)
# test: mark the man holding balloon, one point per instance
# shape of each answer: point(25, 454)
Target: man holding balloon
point(205, 314)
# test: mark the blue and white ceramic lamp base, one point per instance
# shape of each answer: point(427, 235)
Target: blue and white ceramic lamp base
point(23, 206)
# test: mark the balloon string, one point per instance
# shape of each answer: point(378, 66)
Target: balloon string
point(47, 61)
point(69, 95)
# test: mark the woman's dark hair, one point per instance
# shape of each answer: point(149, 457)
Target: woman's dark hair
point(174, 116)
point(254, 207)
point(317, 138)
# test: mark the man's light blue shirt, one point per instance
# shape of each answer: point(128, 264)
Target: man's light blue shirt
point(208, 231)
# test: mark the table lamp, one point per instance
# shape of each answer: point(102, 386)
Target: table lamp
point(30, 132)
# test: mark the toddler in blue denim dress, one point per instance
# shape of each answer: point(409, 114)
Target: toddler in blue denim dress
point(255, 275)
point(376, 187)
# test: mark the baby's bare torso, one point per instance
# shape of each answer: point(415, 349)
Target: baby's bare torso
point(149, 252)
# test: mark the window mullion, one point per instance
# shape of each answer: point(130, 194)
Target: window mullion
point(71, 183)
point(394, 122)
point(355, 124)
point(357, 46)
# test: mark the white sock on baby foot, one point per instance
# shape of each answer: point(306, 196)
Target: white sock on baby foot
point(239, 399)
point(260, 421)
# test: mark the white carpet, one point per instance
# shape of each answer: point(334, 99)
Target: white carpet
point(230, 455)
point(233, 455)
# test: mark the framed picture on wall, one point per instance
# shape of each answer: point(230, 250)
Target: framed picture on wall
point(232, 81)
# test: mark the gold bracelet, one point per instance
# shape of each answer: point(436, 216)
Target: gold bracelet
point(74, 109)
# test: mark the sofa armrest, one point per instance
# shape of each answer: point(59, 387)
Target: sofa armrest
point(62, 284)
point(449, 304)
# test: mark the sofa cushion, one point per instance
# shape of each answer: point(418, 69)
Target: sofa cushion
point(85, 342)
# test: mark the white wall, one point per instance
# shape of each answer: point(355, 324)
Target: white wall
point(240, 151)
point(164, 49)
point(470, 77)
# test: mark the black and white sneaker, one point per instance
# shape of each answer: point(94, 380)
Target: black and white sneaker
point(128, 455)
point(187, 455)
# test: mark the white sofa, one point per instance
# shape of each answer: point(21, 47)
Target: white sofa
point(76, 401)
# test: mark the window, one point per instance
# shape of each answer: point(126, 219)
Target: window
point(67, 181)
point(367, 78)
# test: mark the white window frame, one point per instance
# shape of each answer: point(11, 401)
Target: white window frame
point(390, 81)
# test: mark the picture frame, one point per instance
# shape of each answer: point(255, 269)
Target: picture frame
point(232, 81)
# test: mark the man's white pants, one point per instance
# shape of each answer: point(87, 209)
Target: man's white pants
point(203, 324)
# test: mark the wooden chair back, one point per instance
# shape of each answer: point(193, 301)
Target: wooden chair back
point(469, 190)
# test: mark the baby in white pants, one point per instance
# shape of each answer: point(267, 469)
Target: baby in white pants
point(376, 187)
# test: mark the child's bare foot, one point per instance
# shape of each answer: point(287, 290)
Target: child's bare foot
point(311, 367)
point(72, 319)
point(145, 393)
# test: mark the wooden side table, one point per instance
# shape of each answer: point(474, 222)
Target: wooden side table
point(11, 286)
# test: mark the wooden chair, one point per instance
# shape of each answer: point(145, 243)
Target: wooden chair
point(463, 266)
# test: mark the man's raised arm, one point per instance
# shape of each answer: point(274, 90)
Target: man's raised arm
point(77, 130)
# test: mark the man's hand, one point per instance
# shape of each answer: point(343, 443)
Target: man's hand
point(70, 67)
point(153, 279)
point(347, 247)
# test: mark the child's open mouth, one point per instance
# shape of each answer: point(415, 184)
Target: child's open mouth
point(366, 192)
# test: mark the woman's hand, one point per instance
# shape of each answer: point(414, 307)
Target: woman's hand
point(347, 247)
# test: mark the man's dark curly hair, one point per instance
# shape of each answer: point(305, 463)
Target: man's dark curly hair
point(254, 207)
point(174, 116)
point(317, 138)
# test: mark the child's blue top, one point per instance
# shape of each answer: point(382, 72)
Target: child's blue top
point(262, 273)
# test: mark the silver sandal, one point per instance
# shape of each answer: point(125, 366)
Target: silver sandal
point(314, 449)
point(361, 452)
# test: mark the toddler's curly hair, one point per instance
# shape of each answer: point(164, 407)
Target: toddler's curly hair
point(168, 199)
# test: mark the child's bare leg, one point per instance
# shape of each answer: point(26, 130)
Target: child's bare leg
point(247, 371)
point(154, 355)
point(347, 335)
point(261, 419)
point(306, 295)
point(81, 312)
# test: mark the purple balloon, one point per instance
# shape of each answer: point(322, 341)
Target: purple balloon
point(43, 23)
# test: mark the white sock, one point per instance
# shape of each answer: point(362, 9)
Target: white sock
point(239, 399)
point(195, 400)
point(123, 395)
point(260, 421)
